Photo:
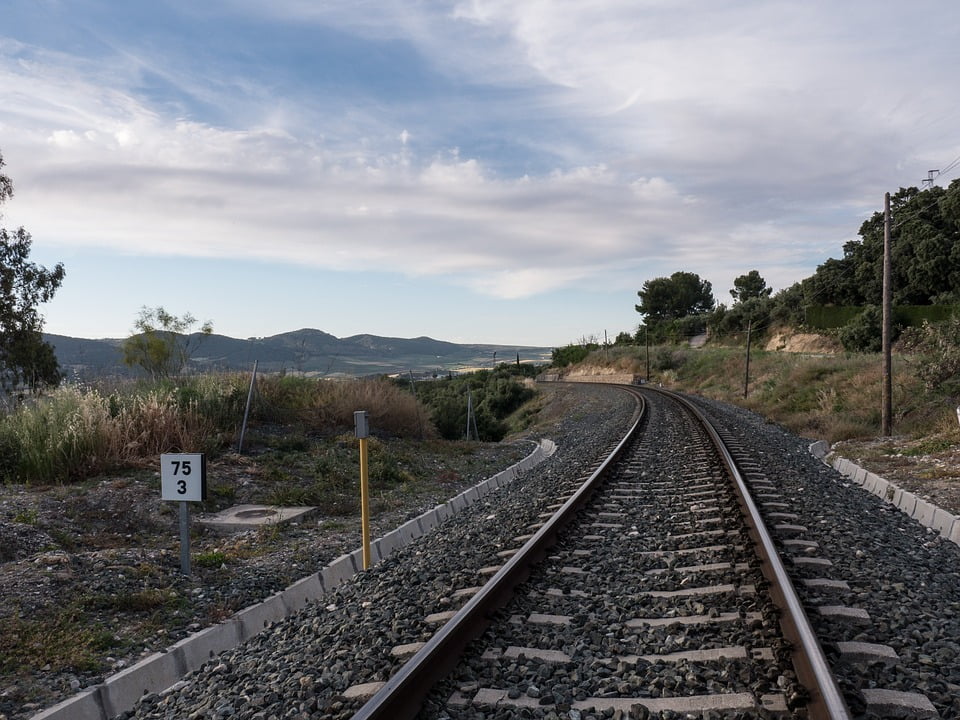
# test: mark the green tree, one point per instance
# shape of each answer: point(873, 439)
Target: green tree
point(680, 295)
point(162, 344)
point(25, 359)
point(749, 286)
point(925, 248)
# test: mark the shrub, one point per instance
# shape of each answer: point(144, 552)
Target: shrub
point(937, 364)
point(495, 395)
point(571, 354)
point(864, 332)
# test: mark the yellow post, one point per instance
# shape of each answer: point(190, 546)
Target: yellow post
point(365, 503)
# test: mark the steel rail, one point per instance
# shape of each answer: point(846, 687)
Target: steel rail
point(813, 670)
point(402, 695)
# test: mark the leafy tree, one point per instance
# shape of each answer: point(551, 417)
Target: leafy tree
point(676, 307)
point(161, 344)
point(925, 248)
point(680, 295)
point(495, 395)
point(25, 359)
point(749, 286)
point(787, 306)
point(754, 312)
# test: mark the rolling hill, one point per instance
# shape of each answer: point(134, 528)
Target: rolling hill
point(307, 351)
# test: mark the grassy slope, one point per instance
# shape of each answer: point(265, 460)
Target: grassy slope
point(821, 396)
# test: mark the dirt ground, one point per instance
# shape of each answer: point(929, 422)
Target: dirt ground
point(929, 472)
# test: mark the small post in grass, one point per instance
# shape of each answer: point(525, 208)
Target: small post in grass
point(183, 479)
point(362, 429)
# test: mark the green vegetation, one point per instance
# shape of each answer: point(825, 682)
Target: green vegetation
point(494, 396)
point(162, 343)
point(211, 559)
point(572, 354)
point(831, 397)
point(26, 361)
point(842, 296)
point(937, 356)
point(675, 307)
point(58, 638)
point(78, 432)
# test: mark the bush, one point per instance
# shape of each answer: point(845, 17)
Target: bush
point(863, 333)
point(77, 432)
point(571, 354)
point(495, 395)
point(938, 355)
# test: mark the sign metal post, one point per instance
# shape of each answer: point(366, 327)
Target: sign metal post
point(362, 427)
point(183, 479)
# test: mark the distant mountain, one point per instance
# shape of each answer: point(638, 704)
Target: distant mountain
point(308, 351)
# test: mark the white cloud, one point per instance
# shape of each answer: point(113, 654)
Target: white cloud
point(696, 138)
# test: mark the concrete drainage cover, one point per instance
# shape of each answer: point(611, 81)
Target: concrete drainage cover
point(246, 517)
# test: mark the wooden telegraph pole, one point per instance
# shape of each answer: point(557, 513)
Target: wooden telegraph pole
point(887, 381)
point(746, 374)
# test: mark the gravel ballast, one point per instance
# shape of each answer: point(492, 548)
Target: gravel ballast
point(902, 574)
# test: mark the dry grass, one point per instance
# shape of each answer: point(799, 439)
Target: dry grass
point(823, 396)
point(77, 432)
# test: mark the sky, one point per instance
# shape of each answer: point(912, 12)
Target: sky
point(478, 171)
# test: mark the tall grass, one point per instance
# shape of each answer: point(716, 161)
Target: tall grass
point(324, 406)
point(77, 432)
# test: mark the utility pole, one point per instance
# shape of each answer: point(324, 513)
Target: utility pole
point(646, 342)
point(746, 375)
point(886, 390)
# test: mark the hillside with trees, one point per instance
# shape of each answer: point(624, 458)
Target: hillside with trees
point(842, 297)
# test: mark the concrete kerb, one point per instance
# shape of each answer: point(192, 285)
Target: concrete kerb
point(208, 643)
point(926, 513)
point(302, 592)
point(387, 544)
point(409, 531)
point(340, 570)
point(954, 535)
point(428, 521)
point(86, 705)
point(152, 674)
point(883, 489)
point(943, 521)
point(256, 618)
point(159, 671)
point(905, 500)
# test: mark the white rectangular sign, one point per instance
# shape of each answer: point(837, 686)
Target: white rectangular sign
point(183, 476)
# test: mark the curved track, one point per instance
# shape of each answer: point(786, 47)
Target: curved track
point(646, 570)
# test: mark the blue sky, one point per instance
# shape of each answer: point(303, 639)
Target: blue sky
point(476, 171)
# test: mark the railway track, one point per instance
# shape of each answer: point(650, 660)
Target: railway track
point(647, 599)
point(652, 599)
